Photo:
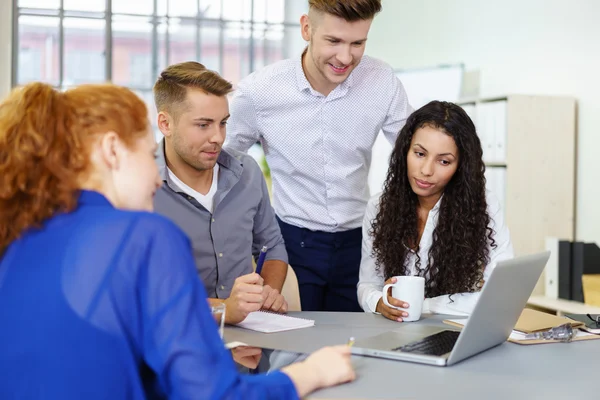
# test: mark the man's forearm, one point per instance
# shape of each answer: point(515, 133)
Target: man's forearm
point(231, 317)
point(274, 273)
point(215, 302)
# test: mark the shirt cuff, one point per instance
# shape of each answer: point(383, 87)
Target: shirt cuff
point(372, 302)
point(426, 307)
point(277, 253)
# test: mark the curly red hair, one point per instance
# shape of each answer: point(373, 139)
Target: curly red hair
point(45, 138)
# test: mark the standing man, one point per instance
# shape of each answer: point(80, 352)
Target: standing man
point(219, 198)
point(317, 117)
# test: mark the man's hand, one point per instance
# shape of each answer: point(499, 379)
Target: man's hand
point(246, 296)
point(274, 301)
point(246, 356)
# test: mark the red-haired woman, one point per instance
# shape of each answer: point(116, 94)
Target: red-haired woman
point(99, 299)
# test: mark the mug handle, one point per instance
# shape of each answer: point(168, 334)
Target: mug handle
point(384, 293)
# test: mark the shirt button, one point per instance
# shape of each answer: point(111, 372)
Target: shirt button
point(189, 197)
point(220, 254)
point(213, 220)
point(222, 287)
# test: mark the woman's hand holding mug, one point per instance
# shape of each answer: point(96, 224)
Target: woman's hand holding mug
point(405, 301)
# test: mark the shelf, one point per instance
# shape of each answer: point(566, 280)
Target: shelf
point(495, 165)
point(560, 306)
point(474, 100)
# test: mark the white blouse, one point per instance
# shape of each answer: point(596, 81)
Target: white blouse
point(371, 280)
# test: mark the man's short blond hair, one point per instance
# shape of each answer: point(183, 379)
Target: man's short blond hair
point(170, 90)
point(349, 10)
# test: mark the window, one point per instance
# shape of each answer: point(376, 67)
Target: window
point(30, 61)
point(83, 66)
point(139, 69)
point(67, 42)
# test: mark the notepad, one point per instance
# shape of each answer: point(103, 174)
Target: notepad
point(268, 322)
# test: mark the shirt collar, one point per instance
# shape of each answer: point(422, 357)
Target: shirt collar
point(303, 82)
point(436, 207)
point(92, 198)
point(225, 160)
point(161, 161)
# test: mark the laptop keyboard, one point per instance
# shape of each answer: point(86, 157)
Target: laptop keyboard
point(434, 345)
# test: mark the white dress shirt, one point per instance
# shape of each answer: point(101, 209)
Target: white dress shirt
point(371, 281)
point(318, 147)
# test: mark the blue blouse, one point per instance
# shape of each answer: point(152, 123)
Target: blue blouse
point(102, 303)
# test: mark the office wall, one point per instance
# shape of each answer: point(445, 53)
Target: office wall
point(5, 45)
point(547, 47)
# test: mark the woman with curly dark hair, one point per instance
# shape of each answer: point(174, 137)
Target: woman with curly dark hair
point(434, 218)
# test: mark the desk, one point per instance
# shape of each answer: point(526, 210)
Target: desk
point(508, 371)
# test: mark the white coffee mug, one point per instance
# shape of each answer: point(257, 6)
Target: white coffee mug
point(410, 289)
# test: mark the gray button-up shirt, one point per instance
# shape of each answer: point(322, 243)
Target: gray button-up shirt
point(241, 223)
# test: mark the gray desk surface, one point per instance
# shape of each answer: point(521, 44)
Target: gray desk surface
point(508, 371)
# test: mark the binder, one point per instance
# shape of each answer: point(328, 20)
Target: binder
point(485, 130)
point(490, 132)
point(551, 275)
point(564, 269)
point(495, 178)
point(591, 264)
point(575, 259)
point(500, 131)
point(578, 257)
point(586, 261)
point(500, 181)
point(490, 180)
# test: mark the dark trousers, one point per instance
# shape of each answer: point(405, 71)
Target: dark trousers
point(326, 265)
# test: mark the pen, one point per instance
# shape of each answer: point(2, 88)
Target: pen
point(261, 259)
point(351, 341)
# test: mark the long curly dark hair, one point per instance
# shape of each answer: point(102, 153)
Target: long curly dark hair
point(462, 237)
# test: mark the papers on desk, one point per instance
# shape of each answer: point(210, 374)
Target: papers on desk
point(234, 344)
point(268, 322)
point(589, 324)
point(519, 337)
point(535, 321)
point(516, 335)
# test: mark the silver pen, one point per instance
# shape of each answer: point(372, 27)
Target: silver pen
point(562, 333)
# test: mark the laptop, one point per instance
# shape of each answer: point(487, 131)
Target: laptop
point(500, 304)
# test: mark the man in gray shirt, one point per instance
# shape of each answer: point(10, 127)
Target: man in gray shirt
point(218, 198)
